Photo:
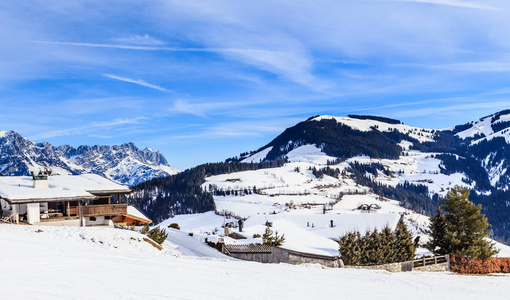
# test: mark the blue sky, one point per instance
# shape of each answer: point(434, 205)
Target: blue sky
point(205, 80)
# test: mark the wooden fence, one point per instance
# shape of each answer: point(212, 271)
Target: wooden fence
point(431, 261)
point(423, 262)
point(431, 264)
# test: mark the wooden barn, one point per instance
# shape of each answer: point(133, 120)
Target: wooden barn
point(266, 254)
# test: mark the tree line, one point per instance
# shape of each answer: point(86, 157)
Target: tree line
point(182, 193)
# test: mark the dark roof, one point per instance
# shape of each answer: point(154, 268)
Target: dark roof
point(237, 236)
point(311, 255)
point(250, 248)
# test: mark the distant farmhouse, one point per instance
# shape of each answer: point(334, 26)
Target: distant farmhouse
point(68, 200)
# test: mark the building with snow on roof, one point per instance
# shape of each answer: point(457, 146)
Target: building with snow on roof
point(67, 200)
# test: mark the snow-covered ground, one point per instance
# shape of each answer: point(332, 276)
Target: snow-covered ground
point(92, 263)
point(293, 199)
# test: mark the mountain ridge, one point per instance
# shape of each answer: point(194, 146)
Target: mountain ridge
point(417, 163)
point(123, 163)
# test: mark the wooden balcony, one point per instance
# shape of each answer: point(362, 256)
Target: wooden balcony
point(104, 210)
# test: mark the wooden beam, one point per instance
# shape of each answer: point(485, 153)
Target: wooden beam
point(68, 210)
point(80, 214)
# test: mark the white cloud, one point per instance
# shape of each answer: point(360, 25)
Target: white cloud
point(93, 127)
point(452, 109)
point(455, 3)
point(294, 66)
point(240, 129)
point(144, 40)
point(205, 108)
point(136, 81)
point(496, 66)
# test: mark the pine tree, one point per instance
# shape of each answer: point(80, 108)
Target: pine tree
point(376, 248)
point(389, 250)
point(350, 248)
point(438, 231)
point(463, 230)
point(272, 240)
point(405, 247)
point(158, 235)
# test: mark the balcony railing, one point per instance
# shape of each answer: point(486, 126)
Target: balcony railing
point(104, 210)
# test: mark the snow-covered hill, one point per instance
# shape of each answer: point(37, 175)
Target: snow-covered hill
point(341, 163)
point(303, 206)
point(124, 163)
point(91, 263)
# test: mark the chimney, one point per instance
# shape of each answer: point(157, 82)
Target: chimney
point(40, 180)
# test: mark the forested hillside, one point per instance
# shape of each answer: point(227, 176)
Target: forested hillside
point(477, 154)
point(161, 198)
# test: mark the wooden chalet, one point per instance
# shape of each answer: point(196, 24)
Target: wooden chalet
point(70, 200)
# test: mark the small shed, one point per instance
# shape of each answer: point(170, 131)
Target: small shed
point(266, 254)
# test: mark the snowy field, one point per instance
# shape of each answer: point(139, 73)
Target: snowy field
point(64, 263)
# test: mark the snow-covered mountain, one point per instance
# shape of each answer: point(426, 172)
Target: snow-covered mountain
point(123, 163)
point(488, 141)
point(480, 146)
point(323, 169)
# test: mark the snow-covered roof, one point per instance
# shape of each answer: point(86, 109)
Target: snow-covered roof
point(133, 211)
point(60, 187)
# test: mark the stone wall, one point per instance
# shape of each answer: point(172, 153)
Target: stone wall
point(394, 267)
point(442, 267)
point(296, 260)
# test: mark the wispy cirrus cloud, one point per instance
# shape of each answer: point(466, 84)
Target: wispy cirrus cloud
point(454, 3)
point(136, 39)
point(137, 82)
point(453, 109)
point(140, 47)
point(495, 66)
point(93, 127)
point(294, 66)
point(204, 108)
point(239, 129)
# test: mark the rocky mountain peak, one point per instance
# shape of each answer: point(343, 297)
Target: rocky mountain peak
point(124, 163)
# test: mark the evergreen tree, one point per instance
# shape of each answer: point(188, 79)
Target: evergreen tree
point(158, 235)
point(389, 246)
point(438, 231)
point(376, 248)
point(272, 240)
point(405, 248)
point(463, 230)
point(351, 248)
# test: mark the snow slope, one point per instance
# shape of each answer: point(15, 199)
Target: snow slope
point(58, 264)
point(421, 134)
point(302, 206)
point(483, 128)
